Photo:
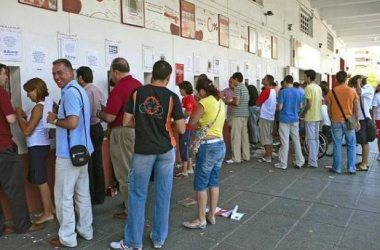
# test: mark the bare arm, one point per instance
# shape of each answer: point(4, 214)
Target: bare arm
point(179, 126)
point(194, 119)
point(108, 118)
point(11, 118)
point(128, 120)
point(28, 127)
point(279, 107)
point(235, 101)
point(70, 122)
point(374, 109)
point(307, 107)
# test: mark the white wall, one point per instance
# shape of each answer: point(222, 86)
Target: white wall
point(40, 28)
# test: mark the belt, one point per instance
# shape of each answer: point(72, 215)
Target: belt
point(212, 141)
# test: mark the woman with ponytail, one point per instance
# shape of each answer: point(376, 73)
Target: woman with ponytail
point(210, 150)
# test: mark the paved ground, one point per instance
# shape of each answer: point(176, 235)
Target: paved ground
point(291, 209)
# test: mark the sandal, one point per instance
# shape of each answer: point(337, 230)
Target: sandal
point(361, 168)
point(211, 220)
point(197, 225)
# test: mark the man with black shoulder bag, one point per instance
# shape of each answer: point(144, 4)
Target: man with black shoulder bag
point(342, 103)
point(73, 149)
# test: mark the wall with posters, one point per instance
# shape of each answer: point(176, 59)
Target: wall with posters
point(89, 35)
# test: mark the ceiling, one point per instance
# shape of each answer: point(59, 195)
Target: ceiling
point(357, 22)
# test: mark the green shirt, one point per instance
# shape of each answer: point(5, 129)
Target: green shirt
point(313, 93)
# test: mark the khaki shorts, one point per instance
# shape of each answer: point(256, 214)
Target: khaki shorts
point(266, 129)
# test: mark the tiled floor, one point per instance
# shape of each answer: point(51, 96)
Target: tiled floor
point(284, 209)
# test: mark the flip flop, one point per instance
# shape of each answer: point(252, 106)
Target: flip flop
point(361, 168)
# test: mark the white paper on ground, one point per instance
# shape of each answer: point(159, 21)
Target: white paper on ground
point(48, 107)
point(235, 215)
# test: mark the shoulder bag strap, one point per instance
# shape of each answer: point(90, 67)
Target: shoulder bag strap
point(340, 107)
point(84, 118)
point(361, 106)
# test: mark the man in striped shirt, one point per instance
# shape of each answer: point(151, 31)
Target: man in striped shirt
point(240, 114)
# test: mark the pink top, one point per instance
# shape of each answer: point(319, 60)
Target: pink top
point(96, 97)
point(228, 95)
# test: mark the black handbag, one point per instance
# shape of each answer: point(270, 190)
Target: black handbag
point(371, 129)
point(79, 154)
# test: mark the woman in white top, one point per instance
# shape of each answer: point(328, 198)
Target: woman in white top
point(37, 139)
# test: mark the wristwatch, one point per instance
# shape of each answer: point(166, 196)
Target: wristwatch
point(55, 121)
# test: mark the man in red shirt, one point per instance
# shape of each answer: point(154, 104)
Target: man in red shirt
point(11, 179)
point(122, 139)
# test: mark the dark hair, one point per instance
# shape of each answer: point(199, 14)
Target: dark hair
point(353, 80)
point(325, 89)
point(324, 83)
point(311, 74)
point(238, 76)
point(39, 84)
point(161, 70)
point(120, 64)
point(3, 66)
point(86, 74)
point(208, 87)
point(364, 80)
point(65, 62)
point(270, 78)
point(185, 85)
point(341, 76)
point(296, 84)
point(203, 75)
point(288, 79)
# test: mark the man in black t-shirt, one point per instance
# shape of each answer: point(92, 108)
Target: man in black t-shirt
point(155, 112)
point(254, 113)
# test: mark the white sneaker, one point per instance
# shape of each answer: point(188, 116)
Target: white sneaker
point(230, 161)
point(279, 166)
point(155, 246)
point(119, 245)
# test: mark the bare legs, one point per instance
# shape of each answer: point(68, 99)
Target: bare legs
point(268, 152)
point(213, 193)
point(46, 203)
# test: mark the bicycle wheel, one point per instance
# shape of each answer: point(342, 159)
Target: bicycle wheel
point(323, 145)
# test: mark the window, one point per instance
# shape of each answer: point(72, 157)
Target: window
point(330, 42)
point(260, 2)
point(306, 22)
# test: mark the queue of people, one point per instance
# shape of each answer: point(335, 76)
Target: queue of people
point(143, 121)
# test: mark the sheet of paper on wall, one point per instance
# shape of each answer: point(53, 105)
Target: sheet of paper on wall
point(10, 44)
point(148, 57)
point(112, 51)
point(216, 66)
point(92, 58)
point(197, 63)
point(69, 49)
point(48, 107)
point(189, 64)
point(38, 56)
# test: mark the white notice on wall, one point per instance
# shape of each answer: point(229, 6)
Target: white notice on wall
point(197, 63)
point(216, 65)
point(69, 49)
point(189, 64)
point(39, 56)
point(148, 57)
point(112, 51)
point(92, 58)
point(10, 44)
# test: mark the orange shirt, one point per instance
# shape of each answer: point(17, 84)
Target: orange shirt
point(346, 97)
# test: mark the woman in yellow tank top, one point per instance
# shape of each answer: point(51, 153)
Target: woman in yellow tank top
point(209, 118)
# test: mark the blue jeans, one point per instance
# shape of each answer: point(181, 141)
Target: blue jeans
point(209, 161)
point(338, 130)
point(184, 145)
point(139, 176)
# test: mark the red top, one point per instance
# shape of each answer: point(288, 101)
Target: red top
point(119, 97)
point(5, 129)
point(189, 104)
point(264, 95)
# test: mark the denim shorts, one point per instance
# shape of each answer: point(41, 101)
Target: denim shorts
point(209, 161)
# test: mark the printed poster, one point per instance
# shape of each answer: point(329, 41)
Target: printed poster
point(224, 23)
point(92, 58)
point(105, 9)
point(207, 26)
point(179, 73)
point(10, 43)
point(132, 12)
point(252, 34)
point(162, 15)
point(44, 4)
point(238, 35)
point(69, 49)
point(187, 20)
point(264, 46)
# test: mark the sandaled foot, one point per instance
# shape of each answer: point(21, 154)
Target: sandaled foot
point(210, 219)
point(9, 230)
point(44, 219)
point(195, 224)
point(34, 227)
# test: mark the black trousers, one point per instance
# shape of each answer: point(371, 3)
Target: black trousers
point(12, 182)
point(95, 166)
